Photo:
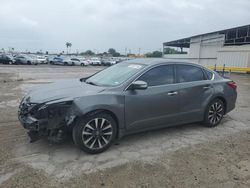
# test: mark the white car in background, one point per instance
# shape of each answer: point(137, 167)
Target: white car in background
point(78, 61)
point(41, 60)
point(84, 62)
point(95, 61)
point(108, 62)
point(68, 61)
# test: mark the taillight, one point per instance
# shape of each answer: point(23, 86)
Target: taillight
point(232, 84)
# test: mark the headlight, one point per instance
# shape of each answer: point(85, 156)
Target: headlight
point(54, 109)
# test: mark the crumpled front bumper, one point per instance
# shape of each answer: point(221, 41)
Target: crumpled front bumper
point(35, 127)
point(31, 123)
point(26, 116)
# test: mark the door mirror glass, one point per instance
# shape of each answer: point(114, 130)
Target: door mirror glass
point(138, 85)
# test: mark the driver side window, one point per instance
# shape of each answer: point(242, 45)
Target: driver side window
point(160, 75)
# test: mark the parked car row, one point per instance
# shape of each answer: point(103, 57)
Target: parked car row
point(69, 61)
point(30, 59)
point(22, 59)
point(82, 61)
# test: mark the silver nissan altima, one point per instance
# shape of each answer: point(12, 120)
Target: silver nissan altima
point(129, 97)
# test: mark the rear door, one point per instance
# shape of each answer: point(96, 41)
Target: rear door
point(158, 105)
point(194, 91)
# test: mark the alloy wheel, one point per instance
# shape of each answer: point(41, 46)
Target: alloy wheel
point(97, 133)
point(215, 113)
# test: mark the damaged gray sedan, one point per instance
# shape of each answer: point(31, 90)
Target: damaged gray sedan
point(129, 97)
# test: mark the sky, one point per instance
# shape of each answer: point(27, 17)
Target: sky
point(98, 25)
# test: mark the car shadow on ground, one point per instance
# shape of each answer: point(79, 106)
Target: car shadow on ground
point(136, 140)
point(65, 158)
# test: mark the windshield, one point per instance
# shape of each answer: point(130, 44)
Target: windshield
point(115, 74)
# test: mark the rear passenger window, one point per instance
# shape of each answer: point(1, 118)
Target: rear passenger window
point(160, 75)
point(189, 73)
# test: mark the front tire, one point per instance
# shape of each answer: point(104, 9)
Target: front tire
point(95, 133)
point(214, 113)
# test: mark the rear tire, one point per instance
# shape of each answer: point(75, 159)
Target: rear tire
point(214, 113)
point(95, 133)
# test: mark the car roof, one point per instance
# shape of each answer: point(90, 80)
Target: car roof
point(155, 61)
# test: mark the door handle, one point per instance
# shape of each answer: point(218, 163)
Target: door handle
point(172, 93)
point(208, 87)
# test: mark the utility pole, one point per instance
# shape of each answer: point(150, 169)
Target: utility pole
point(163, 50)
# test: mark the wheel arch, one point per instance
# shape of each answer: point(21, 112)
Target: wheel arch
point(220, 97)
point(96, 111)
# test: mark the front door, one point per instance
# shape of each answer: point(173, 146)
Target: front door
point(158, 105)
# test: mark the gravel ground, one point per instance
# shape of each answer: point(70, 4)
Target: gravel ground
point(184, 156)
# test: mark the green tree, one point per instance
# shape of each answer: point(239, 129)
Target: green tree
point(172, 51)
point(113, 52)
point(154, 54)
point(88, 52)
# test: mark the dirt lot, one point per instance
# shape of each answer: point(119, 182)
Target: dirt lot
point(184, 156)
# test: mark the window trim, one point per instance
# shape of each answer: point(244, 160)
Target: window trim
point(144, 72)
point(175, 74)
point(204, 75)
point(213, 76)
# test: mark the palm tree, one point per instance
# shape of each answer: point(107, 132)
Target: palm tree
point(68, 45)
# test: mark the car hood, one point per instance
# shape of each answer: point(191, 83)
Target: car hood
point(63, 90)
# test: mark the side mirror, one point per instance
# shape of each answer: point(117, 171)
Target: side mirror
point(138, 85)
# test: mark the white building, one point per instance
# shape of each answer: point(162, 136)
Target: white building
point(230, 47)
